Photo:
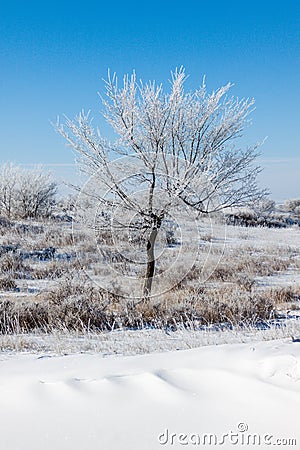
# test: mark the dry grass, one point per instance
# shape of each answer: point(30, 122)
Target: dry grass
point(250, 265)
point(239, 267)
point(79, 306)
point(10, 263)
point(221, 291)
point(55, 269)
point(284, 295)
point(7, 283)
point(14, 265)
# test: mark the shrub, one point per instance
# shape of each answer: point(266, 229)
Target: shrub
point(7, 284)
point(12, 264)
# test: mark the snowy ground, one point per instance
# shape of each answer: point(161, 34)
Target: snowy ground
point(235, 393)
point(140, 389)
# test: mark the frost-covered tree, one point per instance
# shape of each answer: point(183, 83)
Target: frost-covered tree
point(8, 195)
point(25, 193)
point(180, 151)
point(291, 204)
point(264, 208)
point(36, 196)
point(297, 211)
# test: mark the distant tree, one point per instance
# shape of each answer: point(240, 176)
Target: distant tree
point(8, 188)
point(36, 196)
point(291, 204)
point(264, 207)
point(297, 211)
point(26, 193)
point(182, 151)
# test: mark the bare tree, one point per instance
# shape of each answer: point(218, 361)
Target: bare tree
point(291, 204)
point(179, 150)
point(36, 193)
point(8, 183)
point(25, 193)
point(264, 208)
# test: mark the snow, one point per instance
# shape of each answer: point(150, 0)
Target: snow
point(87, 401)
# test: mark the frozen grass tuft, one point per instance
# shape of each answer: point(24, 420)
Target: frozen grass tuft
point(77, 305)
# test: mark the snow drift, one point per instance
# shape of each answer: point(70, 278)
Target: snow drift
point(222, 396)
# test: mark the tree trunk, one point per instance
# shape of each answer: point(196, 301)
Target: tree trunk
point(150, 263)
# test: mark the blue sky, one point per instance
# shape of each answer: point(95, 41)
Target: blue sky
point(53, 56)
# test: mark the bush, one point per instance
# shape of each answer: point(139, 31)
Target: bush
point(12, 265)
point(7, 284)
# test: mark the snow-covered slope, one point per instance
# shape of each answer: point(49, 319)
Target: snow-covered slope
point(87, 402)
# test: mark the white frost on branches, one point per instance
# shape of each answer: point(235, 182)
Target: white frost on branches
point(180, 142)
point(179, 153)
point(25, 193)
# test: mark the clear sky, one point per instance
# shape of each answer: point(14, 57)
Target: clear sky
point(53, 56)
